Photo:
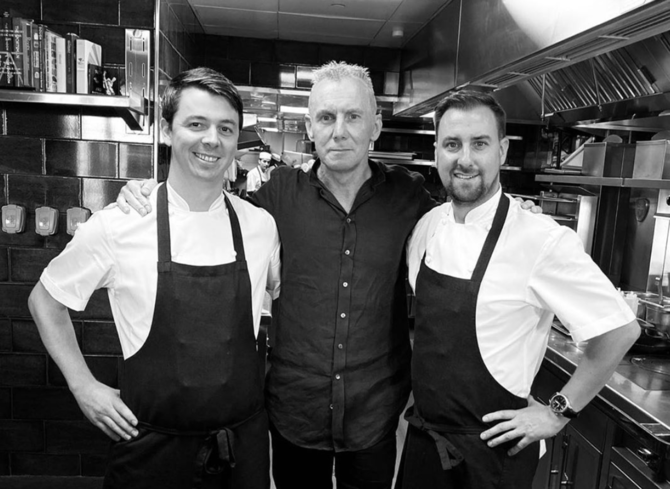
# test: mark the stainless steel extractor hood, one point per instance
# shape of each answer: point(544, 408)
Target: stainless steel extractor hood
point(541, 62)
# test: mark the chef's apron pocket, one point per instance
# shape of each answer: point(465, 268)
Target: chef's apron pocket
point(519, 470)
point(152, 460)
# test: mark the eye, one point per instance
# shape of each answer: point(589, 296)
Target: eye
point(326, 118)
point(481, 144)
point(354, 116)
point(451, 145)
point(195, 125)
point(225, 129)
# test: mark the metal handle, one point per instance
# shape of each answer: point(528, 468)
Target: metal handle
point(646, 455)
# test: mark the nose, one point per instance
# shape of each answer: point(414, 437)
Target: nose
point(211, 136)
point(465, 158)
point(340, 127)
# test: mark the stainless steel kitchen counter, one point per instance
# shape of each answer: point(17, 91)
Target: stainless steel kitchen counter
point(649, 408)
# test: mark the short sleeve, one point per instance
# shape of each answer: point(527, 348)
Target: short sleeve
point(565, 280)
point(85, 265)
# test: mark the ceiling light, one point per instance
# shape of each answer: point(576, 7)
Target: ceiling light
point(398, 31)
point(293, 110)
point(267, 119)
point(429, 115)
point(338, 5)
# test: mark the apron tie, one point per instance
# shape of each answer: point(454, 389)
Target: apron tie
point(450, 456)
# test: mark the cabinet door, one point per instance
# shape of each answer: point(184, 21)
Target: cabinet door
point(581, 467)
point(543, 474)
point(616, 479)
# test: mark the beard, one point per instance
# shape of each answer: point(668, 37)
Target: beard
point(466, 191)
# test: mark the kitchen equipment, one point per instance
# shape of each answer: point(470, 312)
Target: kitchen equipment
point(608, 159)
point(658, 316)
point(652, 160)
point(576, 211)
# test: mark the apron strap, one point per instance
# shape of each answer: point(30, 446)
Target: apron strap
point(450, 456)
point(238, 242)
point(163, 221)
point(491, 239)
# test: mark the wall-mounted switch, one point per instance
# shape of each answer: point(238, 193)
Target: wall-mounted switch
point(46, 221)
point(75, 217)
point(13, 219)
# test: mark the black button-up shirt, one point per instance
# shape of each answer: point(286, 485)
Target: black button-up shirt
point(340, 365)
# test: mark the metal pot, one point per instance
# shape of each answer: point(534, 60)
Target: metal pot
point(659, 317)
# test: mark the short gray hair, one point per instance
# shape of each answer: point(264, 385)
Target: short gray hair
point(338, 70)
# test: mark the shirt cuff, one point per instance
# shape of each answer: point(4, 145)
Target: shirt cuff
point(74, 303)
point(616, 320)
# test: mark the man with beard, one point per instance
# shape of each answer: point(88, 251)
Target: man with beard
point(505, 273)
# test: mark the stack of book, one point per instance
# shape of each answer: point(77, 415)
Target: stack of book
point(33, 57)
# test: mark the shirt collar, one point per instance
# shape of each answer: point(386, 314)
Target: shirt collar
point(482, 214)
point(176, 200)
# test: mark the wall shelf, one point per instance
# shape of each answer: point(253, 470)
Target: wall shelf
point(605, 181)
point(131, 113)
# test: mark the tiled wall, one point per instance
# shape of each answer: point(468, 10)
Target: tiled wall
point(59, 156)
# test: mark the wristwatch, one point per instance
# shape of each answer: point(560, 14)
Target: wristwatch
point(560, 406)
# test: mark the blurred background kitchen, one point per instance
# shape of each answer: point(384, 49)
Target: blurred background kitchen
point(586, 86)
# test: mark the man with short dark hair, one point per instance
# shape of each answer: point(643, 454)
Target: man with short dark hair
point(186, 288)
point(488, 280)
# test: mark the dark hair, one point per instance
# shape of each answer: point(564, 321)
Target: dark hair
point(205, 79)
point(468, 100)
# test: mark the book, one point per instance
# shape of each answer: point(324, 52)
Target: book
point(7, 66)
point(71, 61)
point(38, 57)
point(25, 26)
point(50, 61)
point(61, 76)
point(18, 53)
point(88, 53)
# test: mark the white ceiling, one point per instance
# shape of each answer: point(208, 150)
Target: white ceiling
point(349, 22)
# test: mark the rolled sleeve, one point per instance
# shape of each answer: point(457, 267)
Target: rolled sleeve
point(84, 266)
point(566, 281)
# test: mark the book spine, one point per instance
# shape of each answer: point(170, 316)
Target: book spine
point(17, 33)
point(6, 50)
point(50, 62)
point(35, 58)
point(81, 68)
point(27, 31)
point(71, 61)
point(60, 65)
point(39, 61)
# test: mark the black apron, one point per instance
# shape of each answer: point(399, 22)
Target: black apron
point(453, 389)
point(196, 385)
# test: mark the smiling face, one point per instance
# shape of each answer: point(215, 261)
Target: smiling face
point(342, 122)
point(468, 155)
point(203, 136)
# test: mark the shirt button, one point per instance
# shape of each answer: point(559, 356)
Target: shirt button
point(345, 284)
point(337, 376)
point(343, 315)
point(331, 406)
point(340, 346)
point(346, 252)
point(348, 220)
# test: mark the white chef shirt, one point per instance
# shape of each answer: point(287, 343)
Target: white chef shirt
point(538, 268)
point(255, 178)
point(119, 252)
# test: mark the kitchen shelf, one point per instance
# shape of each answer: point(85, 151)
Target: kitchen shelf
point(646, 183)
point(581, 180)
point(129, 112)
point(605, 181)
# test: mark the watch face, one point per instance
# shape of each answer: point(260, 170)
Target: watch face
point(558, 403)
